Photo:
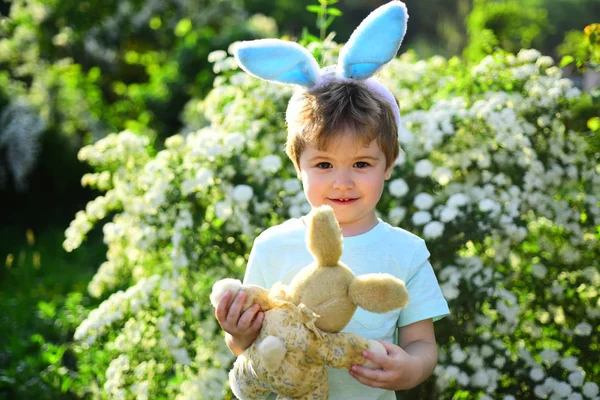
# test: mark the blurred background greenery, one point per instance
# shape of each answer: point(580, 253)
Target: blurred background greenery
point(73, 72)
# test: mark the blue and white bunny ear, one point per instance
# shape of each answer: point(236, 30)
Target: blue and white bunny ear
point(375, 42)
point(278, 61)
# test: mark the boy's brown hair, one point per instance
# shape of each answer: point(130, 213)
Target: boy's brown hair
point(317, 116)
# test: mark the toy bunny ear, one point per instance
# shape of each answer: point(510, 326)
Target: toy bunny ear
point(278, 61)
point(378, 293)
point(324, 237)
point(375, 42)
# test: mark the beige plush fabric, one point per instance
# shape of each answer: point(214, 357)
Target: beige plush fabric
point(302, 374)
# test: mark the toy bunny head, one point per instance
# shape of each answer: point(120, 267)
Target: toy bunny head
point(330, 289)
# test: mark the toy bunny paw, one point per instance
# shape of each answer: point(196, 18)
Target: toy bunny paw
point(377, 348)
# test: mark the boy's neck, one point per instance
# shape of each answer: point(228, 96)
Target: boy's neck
point(349, 230)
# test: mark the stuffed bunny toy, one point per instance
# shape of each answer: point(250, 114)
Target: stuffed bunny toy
point(301, 329)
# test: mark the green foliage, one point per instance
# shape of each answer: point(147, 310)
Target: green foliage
point(325, 15)
point(582, 48)
point(87, 69)
point(38, 317)
point(510, 25)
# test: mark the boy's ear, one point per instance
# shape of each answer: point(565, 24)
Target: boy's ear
point(388, 170)
point(378, 293)
point(298, 171)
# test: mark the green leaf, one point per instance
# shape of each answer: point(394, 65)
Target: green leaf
point(331, 2)
point(314, 9)
point(566, 60)
point(183, 27)
point(594, 124)
point(66, 384)
point(47, 309)
point(334, 11)
point(329, 21)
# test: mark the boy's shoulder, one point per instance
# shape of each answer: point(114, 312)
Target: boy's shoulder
point(395, 234)
point(292, 229)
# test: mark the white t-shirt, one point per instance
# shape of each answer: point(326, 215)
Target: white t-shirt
point(280, 252)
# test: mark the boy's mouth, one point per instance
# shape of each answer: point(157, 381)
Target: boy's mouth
point(344, 200)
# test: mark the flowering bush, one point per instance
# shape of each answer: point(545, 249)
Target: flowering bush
point(84, 70)
point(491, 175)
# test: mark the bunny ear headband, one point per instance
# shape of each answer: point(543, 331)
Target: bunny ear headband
point(371, 46)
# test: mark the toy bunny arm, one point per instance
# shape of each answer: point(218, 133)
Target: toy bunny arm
point(341, 350)
point(254, 294)
point(378, 293)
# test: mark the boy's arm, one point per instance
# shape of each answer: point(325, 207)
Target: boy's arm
point(418, 340)
point(242, 327)
point(405, 366)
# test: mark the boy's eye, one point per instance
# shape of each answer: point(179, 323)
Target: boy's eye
point(324, 165)
point(362, 164)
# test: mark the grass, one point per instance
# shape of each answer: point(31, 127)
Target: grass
point(35, 271)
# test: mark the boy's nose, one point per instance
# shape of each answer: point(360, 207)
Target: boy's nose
point(343, 182)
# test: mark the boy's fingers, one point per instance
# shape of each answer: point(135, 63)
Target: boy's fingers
point(364, 380)
point(383, 360)
point(221, 310)
point(258, 321)
point(247, 317)
point(236, 307)
point(375, 375)
point(390, 348)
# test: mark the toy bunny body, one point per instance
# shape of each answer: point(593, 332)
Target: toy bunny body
point(301, 334)
point(303, 349)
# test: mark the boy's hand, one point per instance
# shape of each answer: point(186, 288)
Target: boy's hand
point(242, 326)
point(398, 369)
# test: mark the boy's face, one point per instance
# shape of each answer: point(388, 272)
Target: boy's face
point(347, 176)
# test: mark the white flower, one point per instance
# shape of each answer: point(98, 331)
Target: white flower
point(396, 215)
point(217, 55)
point(569, 363)
point(544, 62)
point(223, 210)
point(448, 214)
point(271, 163)
point(487, 205)
point(537, 374)
point(458, 355)
point(242, 193)
point(181, 356)
point(292, 186)
point(457, 200)
point(423, 168)
point(423, 201)
point(480, 379)
point(528, 55)
point(443, 175)
point(433, 230)
point(449, 290)
point(562, 389)
point(583, 329)
point(576, 378)
point(590, 390)
point(539, 271)
point(486, 350)
point(398, 187)
point(421, 217)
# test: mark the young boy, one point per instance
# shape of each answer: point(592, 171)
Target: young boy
point(343, 141)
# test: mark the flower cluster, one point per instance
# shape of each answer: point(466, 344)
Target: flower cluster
point(491, 174)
